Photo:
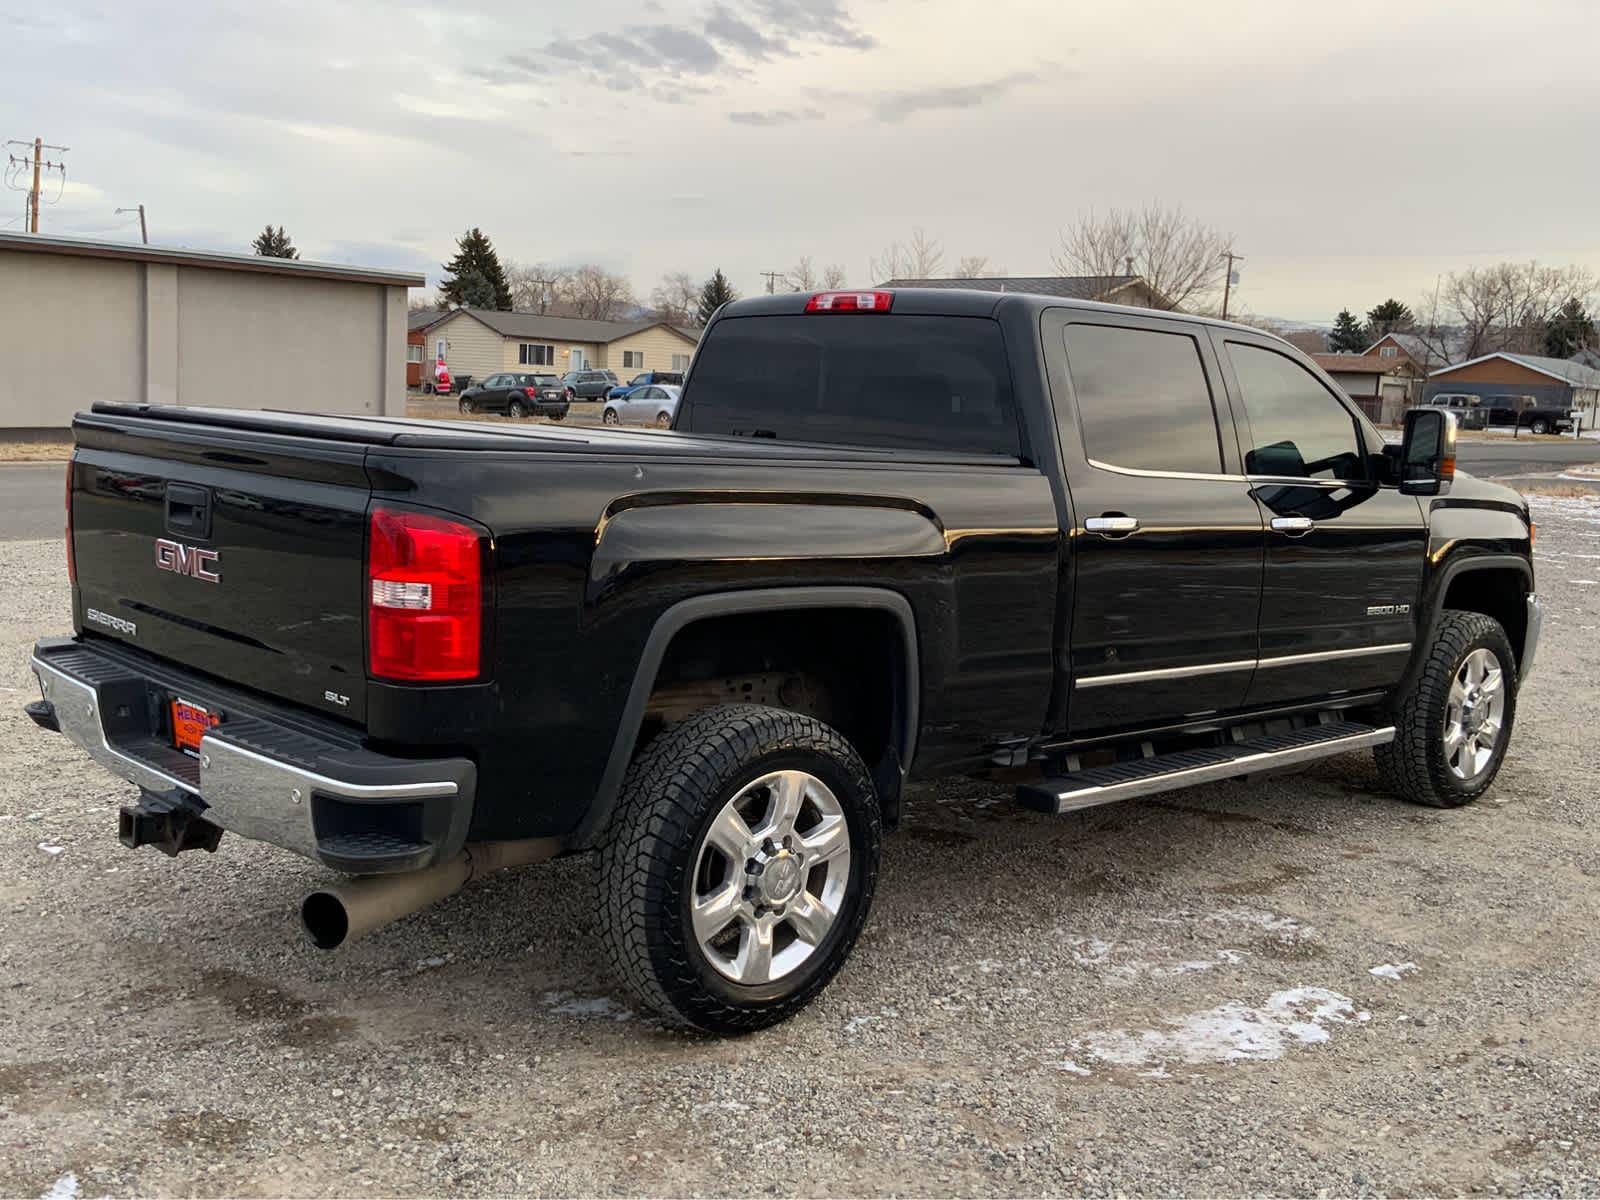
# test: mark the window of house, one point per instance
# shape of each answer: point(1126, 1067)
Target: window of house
point(1388, 352)
point(415, 353)
point(531, 354)
point(680, 362)
point(632, 359)
point(1297, 429)
point(1143, 399)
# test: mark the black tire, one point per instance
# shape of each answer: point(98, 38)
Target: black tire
point(558, 414)
point(646, 869)
point(1539, 426)
point(465, 406)
point(610, 417)
point(517, 409)
point(664, 420)
point(1415, 765)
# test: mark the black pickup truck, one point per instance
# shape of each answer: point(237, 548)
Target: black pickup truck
point(892, 535)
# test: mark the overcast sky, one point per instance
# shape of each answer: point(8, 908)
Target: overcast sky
point(1355, 149)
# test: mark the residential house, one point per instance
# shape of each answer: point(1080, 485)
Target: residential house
point(1557, 382)
point(1381, 387)
point(479, 343)
point(1108, 289)
point(419, 363)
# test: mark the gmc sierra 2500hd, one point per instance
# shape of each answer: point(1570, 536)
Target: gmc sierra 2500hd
point(893, 535)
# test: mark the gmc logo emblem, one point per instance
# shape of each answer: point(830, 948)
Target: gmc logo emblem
point(187, 560)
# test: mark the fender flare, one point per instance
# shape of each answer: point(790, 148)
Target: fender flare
point(1439, 587)
point(757, 600)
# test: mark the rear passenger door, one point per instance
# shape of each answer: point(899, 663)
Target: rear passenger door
point(1166, 541)
point(1344, 554)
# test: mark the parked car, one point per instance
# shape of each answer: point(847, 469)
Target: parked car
point(654, 404)
point(645, 379)
point(1525, 412)
point(1463, 404)
point(517, 395)
point(965, 531)
point(588, 384)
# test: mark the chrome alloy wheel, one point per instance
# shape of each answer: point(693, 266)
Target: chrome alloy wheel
point(770, 877)
point(1474, 715)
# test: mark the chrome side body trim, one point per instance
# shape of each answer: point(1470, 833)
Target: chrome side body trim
point(1243, 664)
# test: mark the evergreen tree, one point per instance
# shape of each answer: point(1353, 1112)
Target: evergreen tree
point(1389, 317)
point(1347, 337)
point(474, 276)
point(274, 243)
point(716, 292)
point(1570, 330)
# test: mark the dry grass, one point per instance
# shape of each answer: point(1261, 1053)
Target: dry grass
point(1553, 489)
point(51, 451)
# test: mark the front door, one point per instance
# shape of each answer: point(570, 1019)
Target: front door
point(1166, 541)
point(1344, 555)
point(577, 362)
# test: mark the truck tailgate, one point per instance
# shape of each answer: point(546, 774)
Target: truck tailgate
point(236, 554)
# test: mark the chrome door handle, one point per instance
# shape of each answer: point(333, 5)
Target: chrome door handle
point(1111, 524)
point(1293, 526)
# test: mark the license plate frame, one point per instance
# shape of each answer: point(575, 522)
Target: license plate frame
point(190, 721)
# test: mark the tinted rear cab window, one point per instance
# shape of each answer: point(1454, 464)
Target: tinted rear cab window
point(917, 382)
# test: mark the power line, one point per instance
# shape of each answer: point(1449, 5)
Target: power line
point(38, 164)
point(144, 234)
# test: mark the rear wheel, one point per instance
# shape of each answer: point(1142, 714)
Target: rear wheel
point(1453, 727)
point(1539, 425)
point(466, 406)
point(556, 414)
point(517, 408)
point(739, 867)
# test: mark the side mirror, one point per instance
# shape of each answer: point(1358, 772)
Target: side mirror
point(1428, 452)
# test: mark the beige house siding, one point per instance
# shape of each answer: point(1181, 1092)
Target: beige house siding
point(657, 345)
point(166, 326)
point(471, 348)
point(512, 356)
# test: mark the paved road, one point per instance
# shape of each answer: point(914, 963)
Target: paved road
point(1508, 457)
point(30, 500)
point(30, 493)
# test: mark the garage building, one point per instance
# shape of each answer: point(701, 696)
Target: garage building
point(86, 321)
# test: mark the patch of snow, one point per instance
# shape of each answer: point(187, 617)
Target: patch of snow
point(1394, 971)
point(1090, 951)
point(1589, 581)
point(568, 1004)
point(65, 1188)
point(1285, 929)
point(1229, 1033)
point(49, 849)
point(1070, 1067)
point(36, 816)
point(711, 1106)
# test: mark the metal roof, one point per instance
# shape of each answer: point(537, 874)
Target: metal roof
point(1565, 370)
point(44, 243)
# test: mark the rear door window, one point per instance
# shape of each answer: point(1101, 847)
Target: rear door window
point(1143, 400)
point(914, 382)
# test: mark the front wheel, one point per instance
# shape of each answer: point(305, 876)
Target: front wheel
point(466, 406)
point(664, 420)
point(739, 867)
point(1451, 730)
point(610, 417)
point(1539, 426)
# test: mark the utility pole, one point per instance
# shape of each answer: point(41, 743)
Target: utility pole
point(1227, 279)
point(39, 164)
point(544, 293)
point(772, 279)
point(144, 234)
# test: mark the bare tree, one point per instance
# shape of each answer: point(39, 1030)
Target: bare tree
point(972, 266)
point(802, 277)
point(539, 287)
point(675, 297)
point(1508, 306)
point(834, 275)
point(597, 294)
point(1180, 258)
point(920, 257)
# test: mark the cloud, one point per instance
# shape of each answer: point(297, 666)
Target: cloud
point(776, 116)
point(743, 36)
point(897, 106)
point(825, 21)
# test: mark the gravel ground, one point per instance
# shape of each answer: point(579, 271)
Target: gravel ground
point(1162, 998)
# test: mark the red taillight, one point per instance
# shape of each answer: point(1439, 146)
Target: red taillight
point(425, 598)
point(850, 302)
point(532, 392)
point(72, 559)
